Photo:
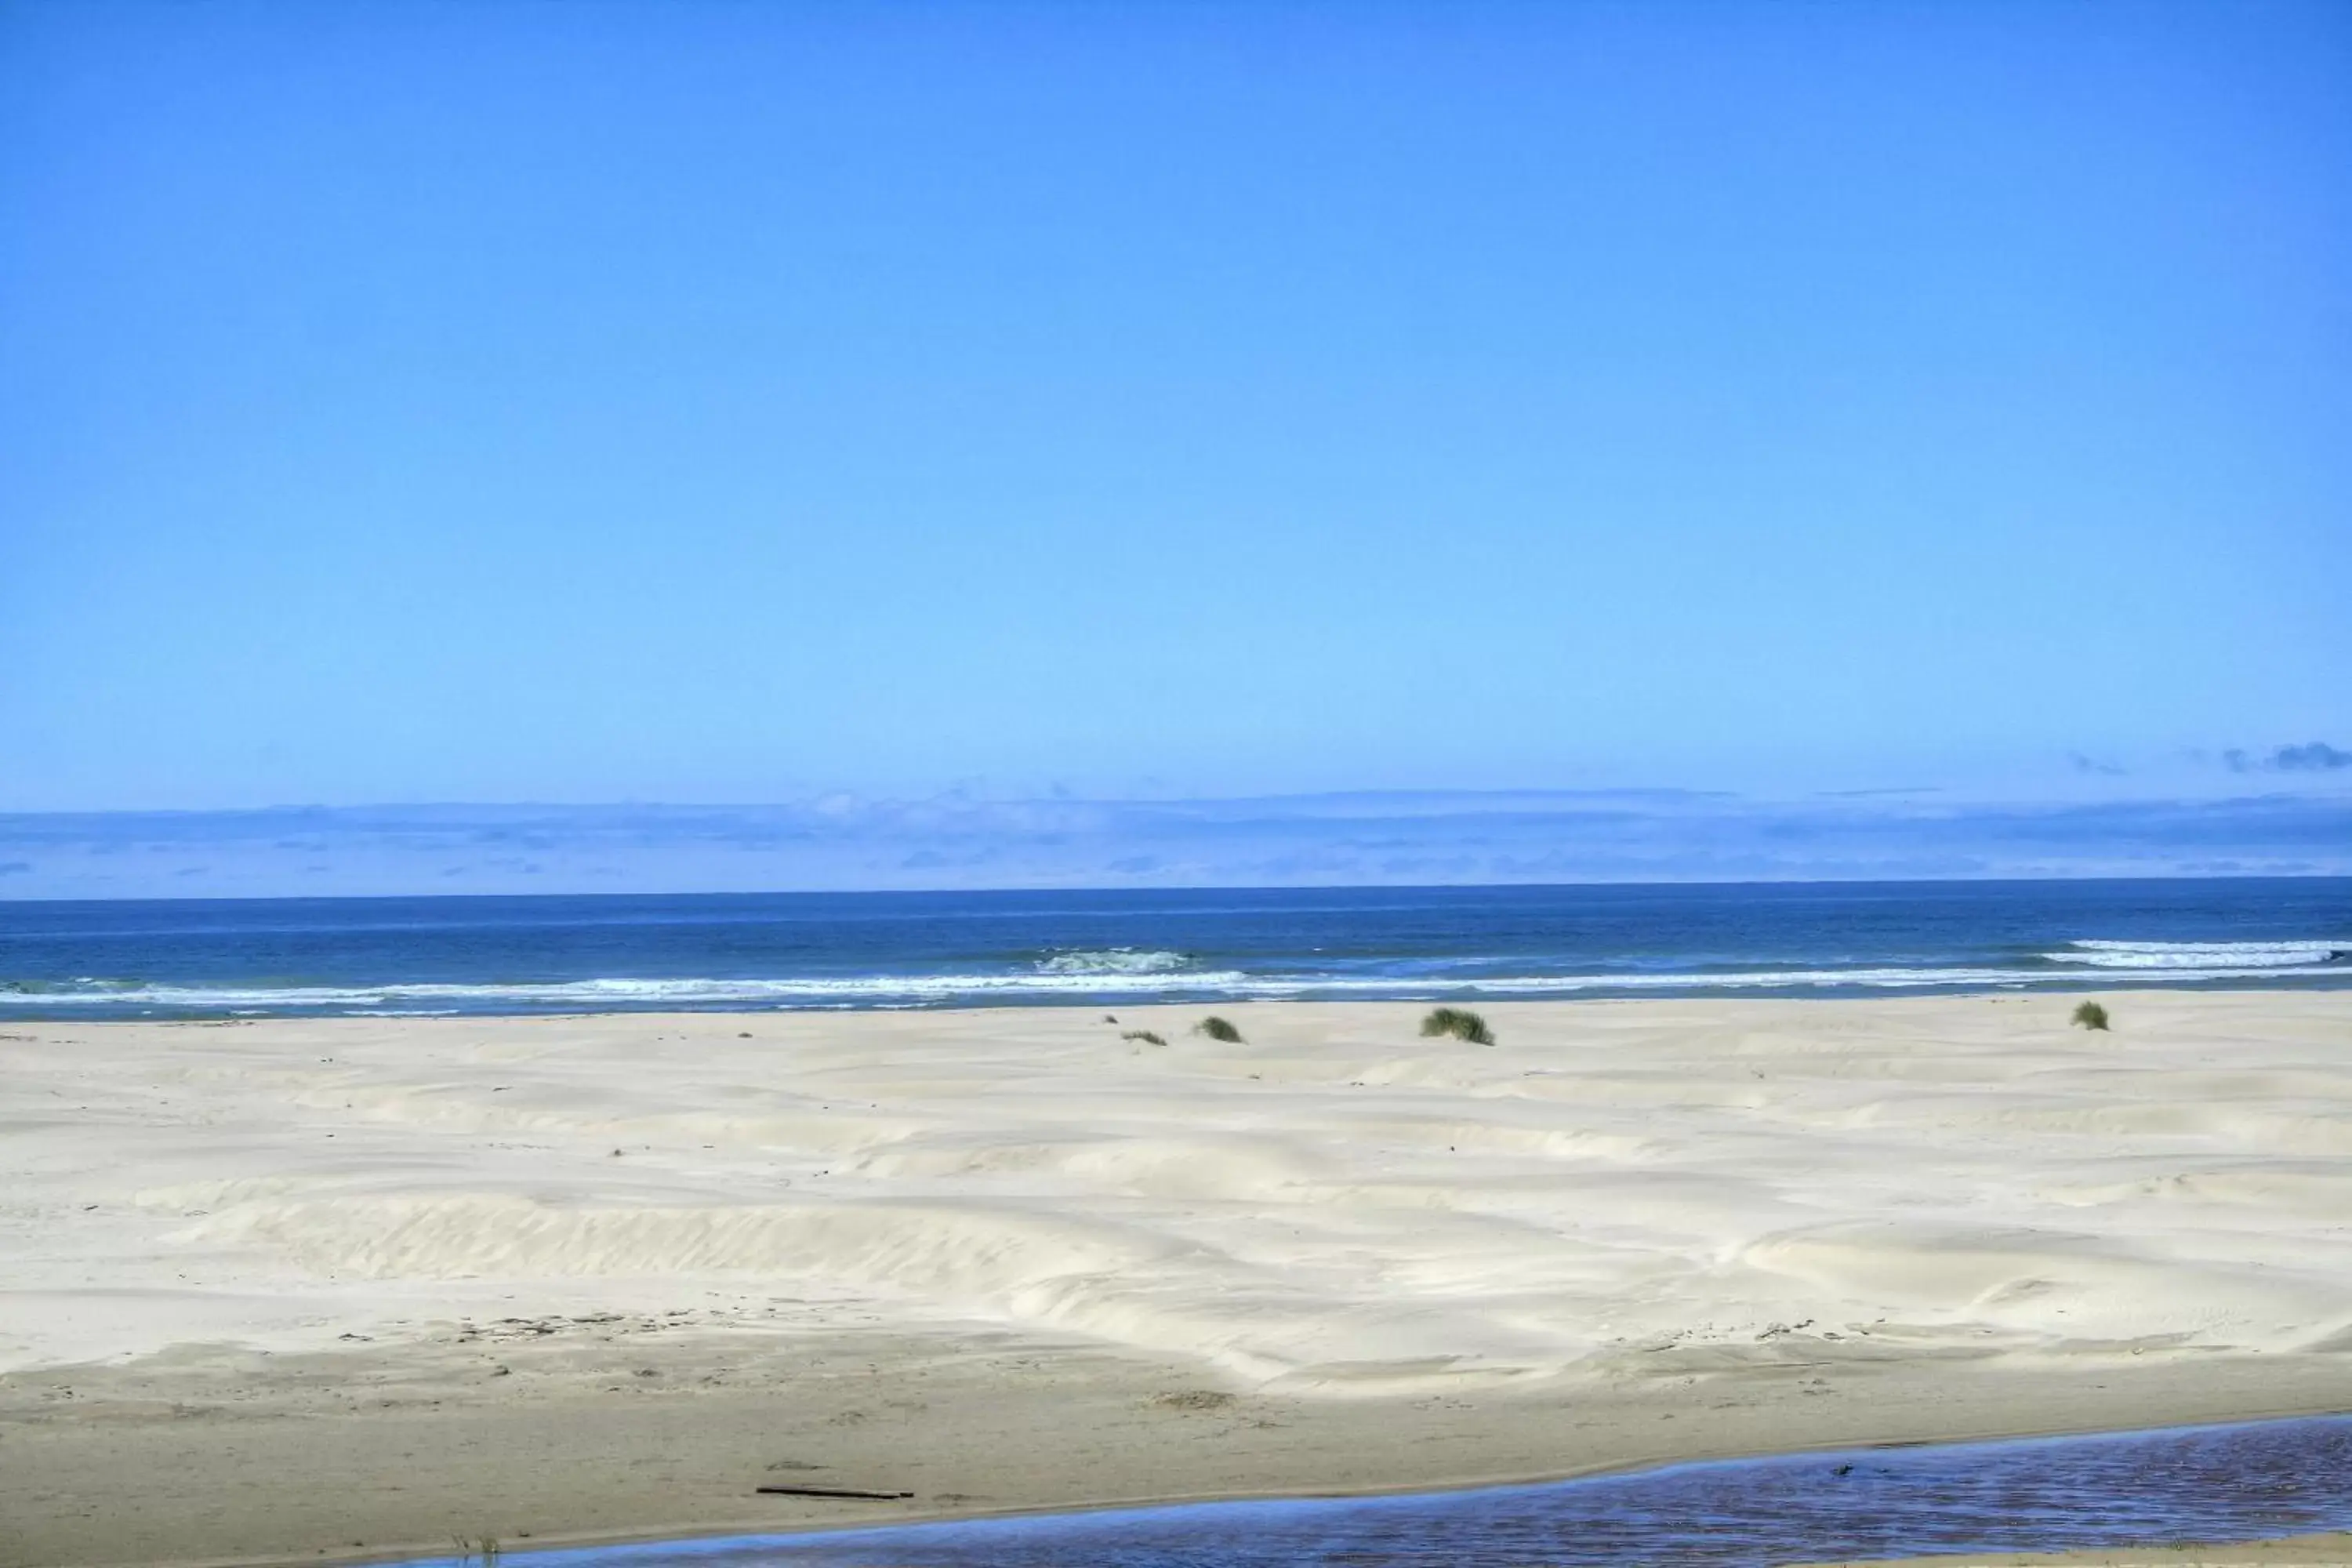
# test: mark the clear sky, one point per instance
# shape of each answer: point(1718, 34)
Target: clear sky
point(723, 402)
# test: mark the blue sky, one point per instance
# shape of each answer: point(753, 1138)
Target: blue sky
point(707, 402)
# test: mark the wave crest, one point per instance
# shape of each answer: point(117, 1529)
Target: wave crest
point(1114, 961)
point(2204, 955)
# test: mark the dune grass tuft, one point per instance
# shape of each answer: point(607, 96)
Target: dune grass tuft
point(2091, 1015)
point(1217, 1028)
point(1460, 1023)
point(1146, 1035)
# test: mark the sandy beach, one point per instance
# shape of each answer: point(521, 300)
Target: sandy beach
point(276, 1290)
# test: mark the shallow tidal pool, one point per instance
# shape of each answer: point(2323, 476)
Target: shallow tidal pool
point(2218, 1483)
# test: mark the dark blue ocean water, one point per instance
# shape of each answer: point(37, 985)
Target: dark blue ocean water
point(2234, 1483)
point(894, 950)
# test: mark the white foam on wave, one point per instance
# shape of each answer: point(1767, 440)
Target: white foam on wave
point(1150, 975)
point(2244, 955)
point(1114, 961)
point(590, 994)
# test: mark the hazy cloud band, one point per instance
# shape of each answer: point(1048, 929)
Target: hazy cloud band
point(841, 842)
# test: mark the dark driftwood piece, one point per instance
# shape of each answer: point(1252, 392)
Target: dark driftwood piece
point(834, 1492)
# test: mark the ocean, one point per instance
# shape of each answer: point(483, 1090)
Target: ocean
point(210, 958)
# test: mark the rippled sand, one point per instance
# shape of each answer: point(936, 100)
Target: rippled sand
point(1647, 1202)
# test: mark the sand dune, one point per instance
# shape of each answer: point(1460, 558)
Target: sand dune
point(1336, 1209)
point(1337, 1201)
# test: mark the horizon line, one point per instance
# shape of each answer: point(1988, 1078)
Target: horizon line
point(1148, 889)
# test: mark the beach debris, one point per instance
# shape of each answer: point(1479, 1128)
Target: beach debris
point(1218, 1029)
point(1193, 1399)
point(2091, 1015)
point(836, 1492)
point(1458, 1022)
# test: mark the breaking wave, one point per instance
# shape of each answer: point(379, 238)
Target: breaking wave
point(1115, 961)
point(2253, 956)
point(1138, 974)
point(588, 995)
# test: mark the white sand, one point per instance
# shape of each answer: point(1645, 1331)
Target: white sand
point(1337, 1209)
point(1334, 1204)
